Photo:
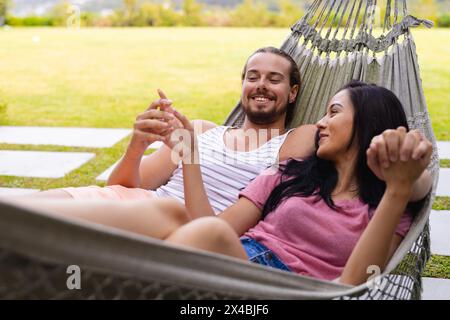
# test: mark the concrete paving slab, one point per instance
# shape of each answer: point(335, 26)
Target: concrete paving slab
point(440, 232)
point(71, 137)
point(39, 164)
point(436, 289)
point(105, 175)
point(16, 191)
point(443, 188)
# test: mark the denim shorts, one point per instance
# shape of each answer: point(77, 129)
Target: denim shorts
point(260, 254)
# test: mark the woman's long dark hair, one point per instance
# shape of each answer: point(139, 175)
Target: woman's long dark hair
point(376, 109)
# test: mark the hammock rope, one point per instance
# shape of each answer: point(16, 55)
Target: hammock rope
point(332, 44)
point(396, 69)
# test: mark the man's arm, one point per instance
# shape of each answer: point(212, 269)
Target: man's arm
point(150, 126)
point(156, 169)
point(422, 187)
point(155, 124)
point(135, 170)
point(149, 172)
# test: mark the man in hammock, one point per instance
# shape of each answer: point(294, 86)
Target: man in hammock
point(330, 216)
point(230, 157)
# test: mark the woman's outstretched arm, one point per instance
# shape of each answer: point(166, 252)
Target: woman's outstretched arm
point(241, 216)
point(378, 242)
point(185, 146)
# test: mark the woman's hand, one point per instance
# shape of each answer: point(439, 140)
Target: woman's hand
point(392, 145)
point(399, 158)
point(407, 156)
point(182, 141)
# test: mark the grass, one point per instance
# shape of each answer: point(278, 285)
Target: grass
point(105, 77)
point(438, 267)
point(441, 203)
point(83, 176)
point(444, 163)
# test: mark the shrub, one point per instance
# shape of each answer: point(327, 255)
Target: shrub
point(3, 112)
point(31, 21)
point(249, 14)
point(444, 21)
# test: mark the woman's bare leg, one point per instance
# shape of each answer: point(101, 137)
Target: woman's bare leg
point(156, 218)
point(210, 234)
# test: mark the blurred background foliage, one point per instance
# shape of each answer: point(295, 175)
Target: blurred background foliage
point(217, 13)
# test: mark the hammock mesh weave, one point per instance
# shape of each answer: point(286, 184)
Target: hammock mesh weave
point(333, 43)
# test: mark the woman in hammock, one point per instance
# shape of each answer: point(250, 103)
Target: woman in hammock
point(328, 216)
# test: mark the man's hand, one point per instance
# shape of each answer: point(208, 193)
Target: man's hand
point(153, 124)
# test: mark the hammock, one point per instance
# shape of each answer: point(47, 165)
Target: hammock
point(333, 43)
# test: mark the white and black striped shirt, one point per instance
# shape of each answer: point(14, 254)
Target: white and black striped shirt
point(225, 172)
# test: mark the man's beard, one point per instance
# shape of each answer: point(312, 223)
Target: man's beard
point(264, 117)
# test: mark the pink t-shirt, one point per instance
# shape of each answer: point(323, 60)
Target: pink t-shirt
point(306, 234)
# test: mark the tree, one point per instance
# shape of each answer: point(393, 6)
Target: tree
point(4, 6)
point(60, 13)
point(129, 12)
point(426, 9)
point(289, 13)
point(168, 16)
point(192, 13)
point(148, 15)
point(249, 14)
point(130, 8)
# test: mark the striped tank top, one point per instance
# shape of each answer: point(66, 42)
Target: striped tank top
point(225, 172)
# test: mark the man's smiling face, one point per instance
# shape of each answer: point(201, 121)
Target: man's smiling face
point(266, 89)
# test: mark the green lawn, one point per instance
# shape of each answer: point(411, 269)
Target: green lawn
point(105, 77)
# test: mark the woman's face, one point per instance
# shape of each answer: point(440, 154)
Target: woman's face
point(335, 129)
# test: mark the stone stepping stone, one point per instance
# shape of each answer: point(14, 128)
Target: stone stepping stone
point(105, 175)
point(443, 149)
point(16, 191)
point(440, 236)
point(443, 188)
point(41, 164)
point(436, 289)
point(71, 137)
